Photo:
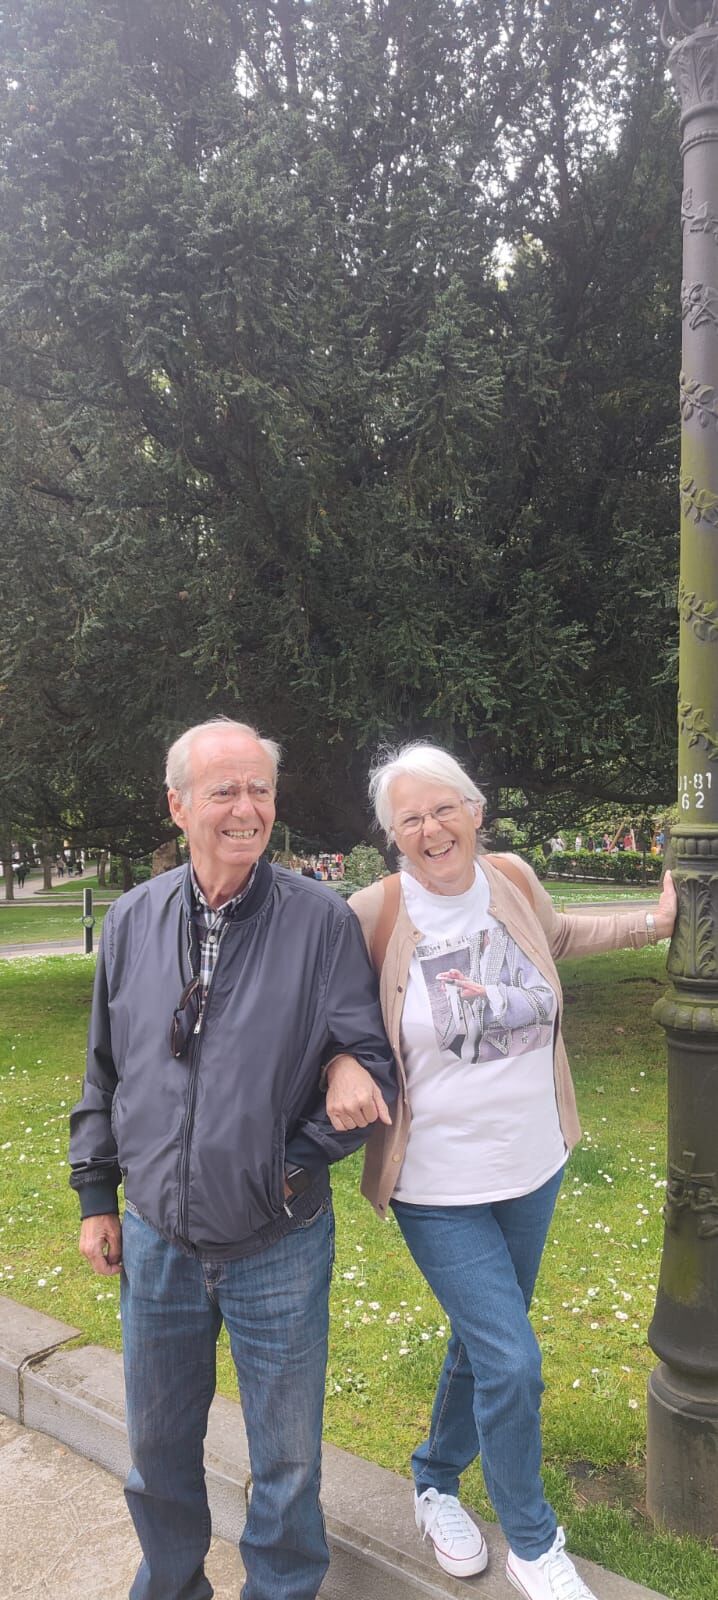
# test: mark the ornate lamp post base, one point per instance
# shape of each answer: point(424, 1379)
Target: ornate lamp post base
point(682, 1470)
point(682, 1467)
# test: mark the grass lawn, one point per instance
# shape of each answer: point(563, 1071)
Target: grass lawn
point(565, 893)
point(23, 923)
point(593, 1302)
point(70, 888)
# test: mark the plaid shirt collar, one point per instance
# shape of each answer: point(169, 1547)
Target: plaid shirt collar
point(212, 925)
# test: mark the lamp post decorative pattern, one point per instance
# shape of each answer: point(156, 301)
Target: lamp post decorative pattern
point(682, 1468)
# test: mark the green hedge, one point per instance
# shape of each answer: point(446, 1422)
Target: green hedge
point(617, 866)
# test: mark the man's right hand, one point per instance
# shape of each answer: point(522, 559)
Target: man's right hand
point(354, 1100)
point(101, 1243)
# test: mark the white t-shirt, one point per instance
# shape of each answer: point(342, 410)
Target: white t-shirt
point(484, 1119)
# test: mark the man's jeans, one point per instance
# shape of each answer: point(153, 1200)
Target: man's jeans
point(482, 1263)
point(275, 1308)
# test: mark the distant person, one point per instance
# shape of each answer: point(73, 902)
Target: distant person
point(212, 1115)
point(579, 843)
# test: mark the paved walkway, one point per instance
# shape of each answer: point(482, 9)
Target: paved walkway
point(24, 952)
point(34, 885)
point(605, 908)
point(15, 952)
point(65, 1531)
point(32, 893)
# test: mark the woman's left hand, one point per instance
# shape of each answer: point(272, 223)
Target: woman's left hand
point(667, 909)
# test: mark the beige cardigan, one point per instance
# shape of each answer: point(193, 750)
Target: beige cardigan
point(544, 934)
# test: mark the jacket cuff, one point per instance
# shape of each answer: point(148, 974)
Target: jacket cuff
point(98, 1199)
point(325, 1069)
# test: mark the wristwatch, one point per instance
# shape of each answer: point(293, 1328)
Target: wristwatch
point(651, 928)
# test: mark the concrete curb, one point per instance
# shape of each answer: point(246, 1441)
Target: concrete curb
point(77, 1397)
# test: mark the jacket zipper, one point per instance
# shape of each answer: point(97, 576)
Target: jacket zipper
point(195, 1052)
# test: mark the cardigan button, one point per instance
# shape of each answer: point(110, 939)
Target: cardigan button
point(400, 988)
point(396, 1158)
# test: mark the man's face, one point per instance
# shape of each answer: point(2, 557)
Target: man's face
point(229, 812)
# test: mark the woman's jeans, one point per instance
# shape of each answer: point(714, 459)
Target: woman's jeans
point(275, 1308)
point(482, 1262)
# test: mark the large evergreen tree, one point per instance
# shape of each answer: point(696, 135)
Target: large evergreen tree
point(338, 347)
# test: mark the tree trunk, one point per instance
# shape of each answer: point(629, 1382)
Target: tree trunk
point(128, 876)
point(165, 858)
point(47, 864)
point(102, 870)
point(7, 868)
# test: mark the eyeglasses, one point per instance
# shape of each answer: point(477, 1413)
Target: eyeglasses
point(185, 1017)
point(445, 813)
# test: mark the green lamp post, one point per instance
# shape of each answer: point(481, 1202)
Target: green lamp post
point(682, 1467)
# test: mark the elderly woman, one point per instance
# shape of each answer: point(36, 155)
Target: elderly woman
point(472, 1163)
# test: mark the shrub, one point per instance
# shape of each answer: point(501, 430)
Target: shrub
point(505, 834)
point(617, 866)
point(364, 865)
point(536, 859)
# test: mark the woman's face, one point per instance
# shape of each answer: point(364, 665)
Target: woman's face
point(441, 850)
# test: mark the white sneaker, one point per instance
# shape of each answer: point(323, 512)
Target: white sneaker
point(458, 1545)
point(552, 1577)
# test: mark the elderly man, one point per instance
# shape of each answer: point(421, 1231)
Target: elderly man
point(223, 991)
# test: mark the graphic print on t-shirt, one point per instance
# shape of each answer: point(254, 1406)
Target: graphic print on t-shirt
point(487, 998)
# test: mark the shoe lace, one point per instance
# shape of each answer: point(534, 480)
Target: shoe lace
point(448, 1514)
point(563, 1580)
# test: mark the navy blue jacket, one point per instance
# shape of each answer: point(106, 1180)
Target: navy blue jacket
point(201, 1143)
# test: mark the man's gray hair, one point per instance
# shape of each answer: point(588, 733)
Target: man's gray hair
point(419, 761)
point(177, 773)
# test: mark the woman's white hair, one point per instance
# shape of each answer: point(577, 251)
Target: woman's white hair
point(419, 761)
point(177, 773)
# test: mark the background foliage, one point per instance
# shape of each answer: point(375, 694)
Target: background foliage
point(338, 347)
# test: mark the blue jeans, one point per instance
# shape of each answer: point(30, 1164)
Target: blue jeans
point(482, 1262)
point(275, 1308)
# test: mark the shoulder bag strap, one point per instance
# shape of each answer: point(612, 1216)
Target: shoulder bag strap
point(387, 917)
point(508, 869)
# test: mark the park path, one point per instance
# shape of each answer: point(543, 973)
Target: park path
point(66, 1529)
point(17, 952)
point(32, 894)
point(25, 952)
point(32, 887)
